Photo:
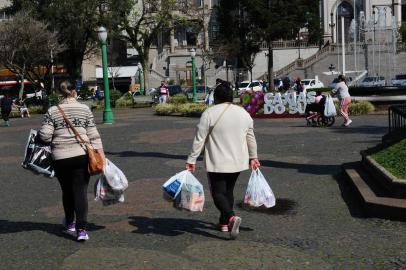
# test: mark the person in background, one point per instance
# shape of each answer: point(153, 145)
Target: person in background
point(22, 107)
point(341, 89)
point(6, 105)
point(163, 93)
point(97, 94)
point(298, 85)
point(69, 157)
point(226, 133)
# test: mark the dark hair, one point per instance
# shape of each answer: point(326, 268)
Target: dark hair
point(318, 93)
point(223, 92)
point(342, 78)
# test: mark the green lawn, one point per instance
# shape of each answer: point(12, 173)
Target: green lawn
point(393, 159)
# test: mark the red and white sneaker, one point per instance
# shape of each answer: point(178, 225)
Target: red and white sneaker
point(234, 226)
point(223, 227)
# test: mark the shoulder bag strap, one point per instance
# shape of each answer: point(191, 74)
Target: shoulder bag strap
point(71, 126)
point(218, 119)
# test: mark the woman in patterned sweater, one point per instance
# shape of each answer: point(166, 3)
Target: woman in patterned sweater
point(70, 158)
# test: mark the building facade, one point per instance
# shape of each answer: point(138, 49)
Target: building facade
point(368, 15)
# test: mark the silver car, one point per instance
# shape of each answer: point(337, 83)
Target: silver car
point(376, 81)
point(400, 80)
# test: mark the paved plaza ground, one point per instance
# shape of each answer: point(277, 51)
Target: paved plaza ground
point(316, 224)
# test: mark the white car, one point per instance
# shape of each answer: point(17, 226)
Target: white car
point(400, 80)
point(249, 85)
point(311, 84)
point(373, 81)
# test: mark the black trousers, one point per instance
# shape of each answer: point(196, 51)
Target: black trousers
point(222, 191)
point(73, 176)
point(5, 114)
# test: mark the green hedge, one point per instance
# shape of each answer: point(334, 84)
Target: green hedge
point(393, 159)
point(125, 101)
point(178, 99)
point(357, 107)
point(361, 107)
point(187, 109)
point(37, 109)
point(164, 109)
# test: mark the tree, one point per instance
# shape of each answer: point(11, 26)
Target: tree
point(75, 21)
point(238, 39)
point(25, 48)
point(141, 22)
point(283, 20)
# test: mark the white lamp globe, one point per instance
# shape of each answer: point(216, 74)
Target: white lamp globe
point(192, 53)
point(102, 33)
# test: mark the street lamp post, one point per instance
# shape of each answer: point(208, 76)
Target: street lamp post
point(193, 55)
point(108, 117)
point(141, 78)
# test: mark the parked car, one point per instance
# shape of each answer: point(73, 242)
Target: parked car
point(375, 81)
point(311, 84)
point(399, 80)
point(249, 85)
point(173, 90)
point(201, 92)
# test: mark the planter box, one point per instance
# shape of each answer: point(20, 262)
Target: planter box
point(395, 186)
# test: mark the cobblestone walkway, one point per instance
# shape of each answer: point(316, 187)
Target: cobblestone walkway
point(316, 223)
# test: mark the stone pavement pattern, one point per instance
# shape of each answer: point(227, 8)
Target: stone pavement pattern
point(316, 223)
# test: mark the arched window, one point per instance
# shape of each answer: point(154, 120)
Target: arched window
point(345, 9)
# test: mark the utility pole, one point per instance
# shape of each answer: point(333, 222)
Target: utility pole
point(270, 59)
point(343, 42)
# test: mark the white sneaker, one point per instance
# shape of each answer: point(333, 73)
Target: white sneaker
point(234, 226)
point(82, 236)
point(348, 123)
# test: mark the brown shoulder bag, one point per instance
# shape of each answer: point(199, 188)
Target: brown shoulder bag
point(95, 158)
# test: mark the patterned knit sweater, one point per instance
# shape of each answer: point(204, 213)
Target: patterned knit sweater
point(54, 130)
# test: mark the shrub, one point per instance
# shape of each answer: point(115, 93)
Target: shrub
point(37, 109)
point(178, 99)
point(114, 96)
point(357, 107)
point(125, 101)
point(85, 92)
point(164, 109)
point(53, 99)
point(187, 109)
point(191, 109)
point(362, 107)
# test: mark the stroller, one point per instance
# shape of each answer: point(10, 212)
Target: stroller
point(315, 117)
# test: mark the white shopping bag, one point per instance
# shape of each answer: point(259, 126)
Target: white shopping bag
point(173, 186)
point(329, 107)
point(258, 191)
point(115, 177)
point(104, 193)
point(191, 194)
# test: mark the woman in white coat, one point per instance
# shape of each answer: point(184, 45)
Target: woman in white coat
point(226, 133)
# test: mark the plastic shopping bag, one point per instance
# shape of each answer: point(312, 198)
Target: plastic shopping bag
point(104, 193)
point(258, 191)
point(191, 194)
point(37, 157)
point(115, 177)
point(173, 186)
point(329, 107)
